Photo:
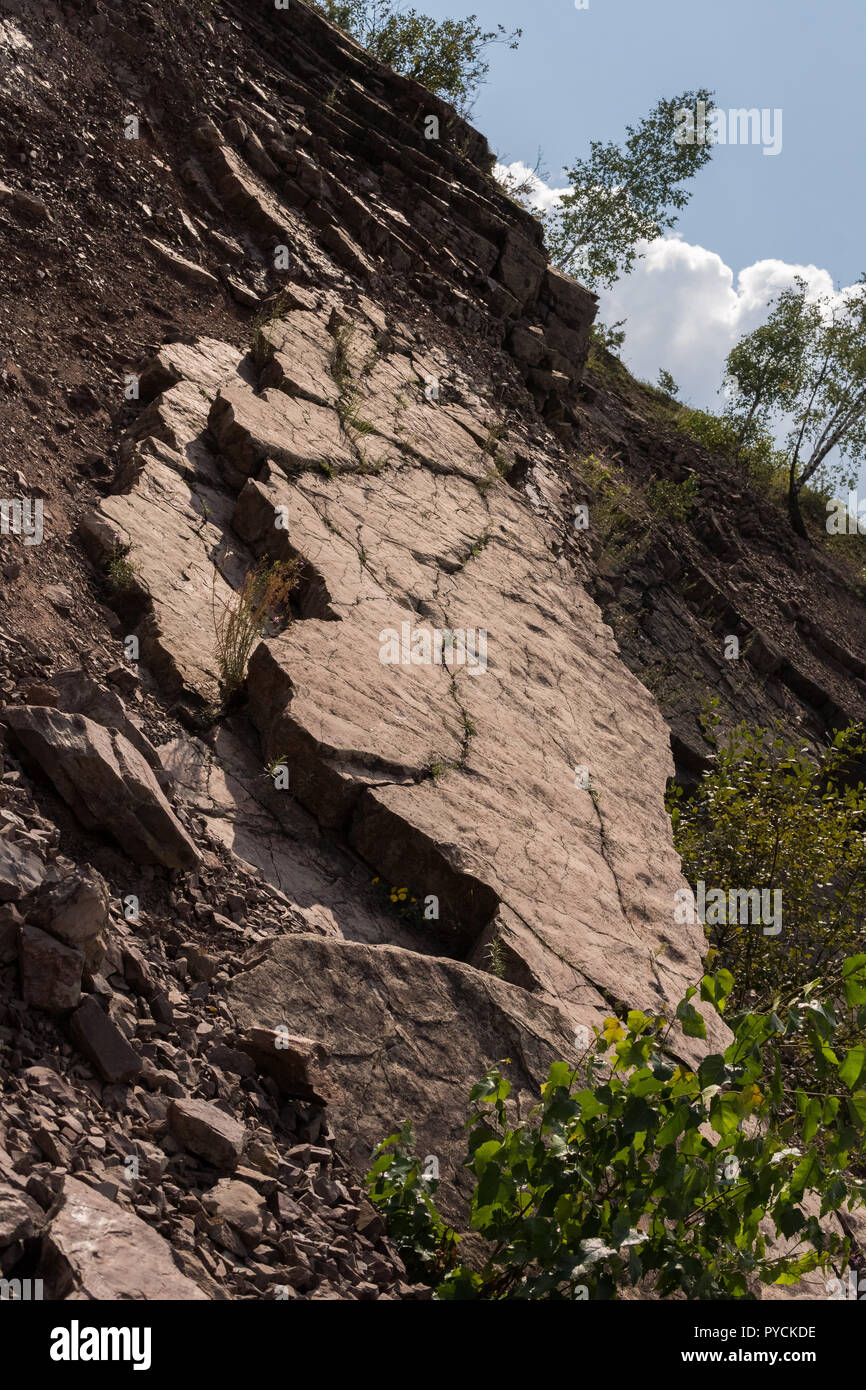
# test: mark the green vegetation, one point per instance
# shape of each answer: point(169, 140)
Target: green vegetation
point(446, 56)
point(667, 385)
point(806, 365)
point(496, 958)
point(624, 514)
point(772, 815)
point(673, 501)
point(121, 572)
point(610, 1181)
point(620, 196)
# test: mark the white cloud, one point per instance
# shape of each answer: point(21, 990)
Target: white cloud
point(684, 308)
point(540, 196)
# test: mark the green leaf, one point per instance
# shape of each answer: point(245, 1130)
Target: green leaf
point(854, 980)
point(805, 1173)
point(814, 1112)
point(852, 1068)
point(693, 1022)
point(857, 1108)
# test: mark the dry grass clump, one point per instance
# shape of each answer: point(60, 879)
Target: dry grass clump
point(242, 620)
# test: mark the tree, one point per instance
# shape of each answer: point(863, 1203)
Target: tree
point(807, 363)
point(667, 384)
point(447, 57)
point(621, 196)
point(763, 368)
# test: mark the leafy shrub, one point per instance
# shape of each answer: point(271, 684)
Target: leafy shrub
point(769, 815)
point(240, 621)
point(445, 56)
point(673, 500)
point(611, 1180)
point(403, 1195)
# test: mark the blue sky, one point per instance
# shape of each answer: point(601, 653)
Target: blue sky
point(582, 75)
point(753, 220)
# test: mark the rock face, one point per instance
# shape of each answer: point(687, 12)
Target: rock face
point(465, 858)
point(106, 783)
point(407, 1037)
point(495, 781)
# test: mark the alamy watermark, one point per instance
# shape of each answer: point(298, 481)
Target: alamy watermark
point(755, 906)
point(846, 518)
point(434, 647)
point(710, 125)
point(22, 517)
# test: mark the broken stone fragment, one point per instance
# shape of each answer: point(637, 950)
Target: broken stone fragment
point(20, 871)
point(20, 1217)
point(50, 972)
point(75, 910)
point(202, 966)
point(208, 1132)
point(24, 203)
point(298, 1065)
point(239, 1206)
point(79, 693)
point(184, 270)
point(105, 781)
point(103, 1044)
point(94, 1249)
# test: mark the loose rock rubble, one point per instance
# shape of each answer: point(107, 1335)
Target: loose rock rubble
point(213, 1002)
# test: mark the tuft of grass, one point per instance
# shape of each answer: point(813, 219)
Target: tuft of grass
point(241, 621)
point(496, 958)
point(277, 308)
point(341, 367)
point(271, 767)
point(121, 572)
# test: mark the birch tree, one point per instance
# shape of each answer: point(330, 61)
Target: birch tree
point(807, 364)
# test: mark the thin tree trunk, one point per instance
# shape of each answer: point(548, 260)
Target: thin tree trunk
point(795, 516)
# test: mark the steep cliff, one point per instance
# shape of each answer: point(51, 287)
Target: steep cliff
point(253, 312)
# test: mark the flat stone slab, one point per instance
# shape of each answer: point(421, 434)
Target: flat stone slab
point(105, 781)
point(98, 1250)
point(407, 1037)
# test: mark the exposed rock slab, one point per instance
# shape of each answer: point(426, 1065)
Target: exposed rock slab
point(105, 781)
point(98, 1250)
point(407, 1036)
point(293, 432)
